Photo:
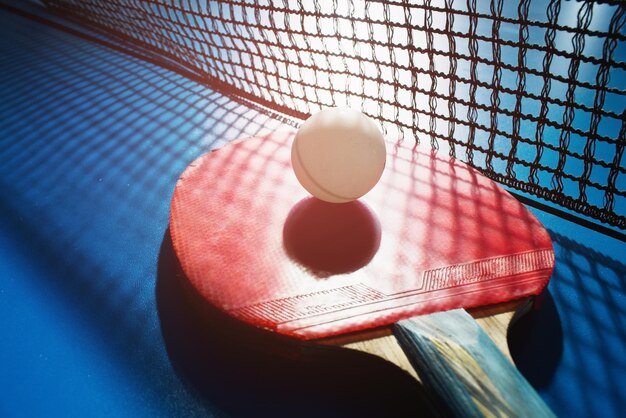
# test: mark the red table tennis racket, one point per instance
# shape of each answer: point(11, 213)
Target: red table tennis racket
point(434, 235)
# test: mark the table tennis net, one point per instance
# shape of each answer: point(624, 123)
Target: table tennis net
point(532, 94)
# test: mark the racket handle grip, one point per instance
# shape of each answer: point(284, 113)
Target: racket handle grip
point(456, 359)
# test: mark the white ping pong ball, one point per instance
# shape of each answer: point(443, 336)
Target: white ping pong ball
point(338, 155)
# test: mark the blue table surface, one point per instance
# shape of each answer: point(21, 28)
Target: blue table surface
point(91, 144)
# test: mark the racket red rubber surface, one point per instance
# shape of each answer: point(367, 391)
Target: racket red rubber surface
point(433, 234)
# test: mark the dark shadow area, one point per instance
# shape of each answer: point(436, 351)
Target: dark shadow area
point(536, 342)
point(329, 238)
point(577, 334)
point(241, 371)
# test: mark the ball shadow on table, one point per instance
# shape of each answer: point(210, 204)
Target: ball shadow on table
point(244, 371)
point(329, 238)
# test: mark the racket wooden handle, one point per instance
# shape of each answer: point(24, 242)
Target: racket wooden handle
point(454, 357)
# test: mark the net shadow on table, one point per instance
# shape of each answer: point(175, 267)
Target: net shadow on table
point(574, 337)
point(92, 142)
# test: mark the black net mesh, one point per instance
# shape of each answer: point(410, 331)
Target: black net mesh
point(530, 93)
